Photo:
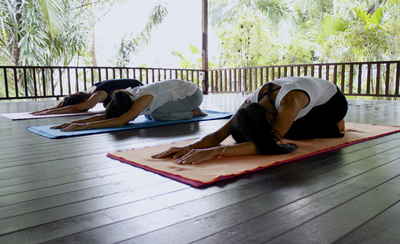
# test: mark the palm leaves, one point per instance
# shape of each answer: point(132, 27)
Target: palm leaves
point(130, 43)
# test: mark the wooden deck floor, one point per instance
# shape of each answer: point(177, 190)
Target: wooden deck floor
point(67, 191)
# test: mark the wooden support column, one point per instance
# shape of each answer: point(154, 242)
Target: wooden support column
point(204, 50)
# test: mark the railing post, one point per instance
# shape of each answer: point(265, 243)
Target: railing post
point(204, 52)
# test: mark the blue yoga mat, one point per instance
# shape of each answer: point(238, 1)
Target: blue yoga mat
point(139, 123)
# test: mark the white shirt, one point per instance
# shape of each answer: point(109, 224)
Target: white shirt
point(319, 91)
point(163, 92)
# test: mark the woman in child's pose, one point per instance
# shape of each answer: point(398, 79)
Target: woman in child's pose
point(83, 101)
point(165, 100)
point(292, 108)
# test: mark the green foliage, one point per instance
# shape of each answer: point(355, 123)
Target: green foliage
point(130, 44)
point(44, 32)
point(193, 60)
point(305, 31)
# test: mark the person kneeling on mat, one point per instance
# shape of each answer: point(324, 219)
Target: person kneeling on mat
point(83, 101)
point(165, 100)
point(292, 107)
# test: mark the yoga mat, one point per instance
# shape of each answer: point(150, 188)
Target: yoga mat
point(139, 123)
point(28, 115)
point(207, 173)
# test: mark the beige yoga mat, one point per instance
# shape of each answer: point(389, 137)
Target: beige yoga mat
point(206, 173)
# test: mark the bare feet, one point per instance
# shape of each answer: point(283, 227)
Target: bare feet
point(198, 113)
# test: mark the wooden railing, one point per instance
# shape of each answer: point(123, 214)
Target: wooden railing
point(378, 79)
point(381, 79)
point(22, 82)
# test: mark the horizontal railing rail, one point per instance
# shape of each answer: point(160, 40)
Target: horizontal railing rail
point(379, 79)
point(27, 82)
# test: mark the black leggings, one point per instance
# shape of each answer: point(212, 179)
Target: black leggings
point(321, 121)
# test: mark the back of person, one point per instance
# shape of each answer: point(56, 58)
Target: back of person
point(165, 91)
point(111, 85)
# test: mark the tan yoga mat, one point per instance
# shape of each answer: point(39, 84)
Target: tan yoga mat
point(209, 172)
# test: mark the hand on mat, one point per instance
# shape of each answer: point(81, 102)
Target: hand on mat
point(173, 152)
point(75, 126)
point(196, 156)
point(62, 126)
point(70, 126)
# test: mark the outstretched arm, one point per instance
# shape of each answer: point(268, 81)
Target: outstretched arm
point(81, 121)
point(209, 141)
point(195, 156)
point(95, 98)
point(101, 122)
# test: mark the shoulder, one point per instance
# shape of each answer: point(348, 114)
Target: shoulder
point(296, 98)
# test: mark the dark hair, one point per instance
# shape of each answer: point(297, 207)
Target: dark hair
point(120, 103)
point(75, 98)
point(250, 124)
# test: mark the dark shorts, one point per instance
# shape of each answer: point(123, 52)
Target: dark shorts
point(321, 121)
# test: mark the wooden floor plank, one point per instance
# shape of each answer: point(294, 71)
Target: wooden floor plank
point(270, 190)
point(67, 191)
point(278, 212)
point(384, 228)
point(332, 225)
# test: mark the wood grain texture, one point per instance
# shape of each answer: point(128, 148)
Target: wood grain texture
point(68, 191)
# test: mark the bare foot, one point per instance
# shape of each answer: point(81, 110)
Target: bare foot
point(198, 113)
point(341, 126)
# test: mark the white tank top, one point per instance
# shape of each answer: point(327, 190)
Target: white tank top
point(163, 92)
point(319, 91)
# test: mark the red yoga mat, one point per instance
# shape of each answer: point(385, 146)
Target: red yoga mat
point(209, 172)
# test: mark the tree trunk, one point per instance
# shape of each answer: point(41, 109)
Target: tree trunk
point(16, 51)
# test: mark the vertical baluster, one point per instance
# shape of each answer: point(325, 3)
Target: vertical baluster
point(327, 72)
point(99, 71)
point(76, 79)
point(84, 79)
point(397, 78)
point(91, 76)
point(141, 76)
point(342, 77)
point(378, 79)
point(16, 82)
point(351, 79)
point(6, 82)
point(369, 79)
point(60, 82)
point(335, 74)
point(34, 82)
point(359, 79)
point(262, 76)
point(387, 79)
point(52, 82)
point(320, 71)
point(250, 79)
point(225, 80)
point(26, 83)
